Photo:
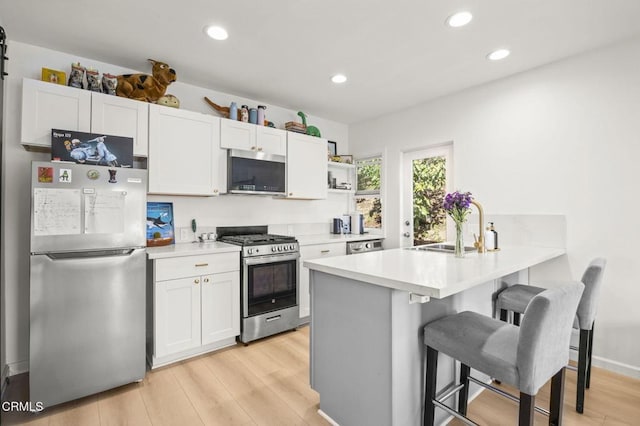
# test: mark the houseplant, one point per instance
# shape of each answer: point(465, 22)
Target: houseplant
point(458, 205)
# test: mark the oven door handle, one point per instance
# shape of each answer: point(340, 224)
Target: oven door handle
point(260, 260)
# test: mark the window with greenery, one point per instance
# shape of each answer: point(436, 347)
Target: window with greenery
point(368, 200)
point(429, 188)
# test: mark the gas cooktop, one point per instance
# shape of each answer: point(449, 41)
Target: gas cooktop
point(250, 236)
point(256, 239)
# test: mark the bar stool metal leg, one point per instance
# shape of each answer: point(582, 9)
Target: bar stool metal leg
point(463, 396)
point(557, 397)
point(583, 350)
point(430, 386)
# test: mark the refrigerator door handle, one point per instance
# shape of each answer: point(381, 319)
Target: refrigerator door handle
point(90, 254)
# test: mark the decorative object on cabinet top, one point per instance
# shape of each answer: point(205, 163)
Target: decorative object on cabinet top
point(54, 76)
point(170, 101)
point(223, 111)
point(145, 87)
point(292, 126)
point(311, 130)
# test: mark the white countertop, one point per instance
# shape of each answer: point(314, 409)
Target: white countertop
point(308, 240)
point(190, 249)
point(433, 274)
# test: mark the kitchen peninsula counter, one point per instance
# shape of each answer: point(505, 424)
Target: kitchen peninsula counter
point(366, 344)
point(431, 273)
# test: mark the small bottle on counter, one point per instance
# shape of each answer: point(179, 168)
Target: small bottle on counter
point(491, 238)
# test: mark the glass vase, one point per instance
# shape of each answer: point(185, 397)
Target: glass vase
point(459, 244)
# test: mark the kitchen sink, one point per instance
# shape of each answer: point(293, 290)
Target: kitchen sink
point(441, 247)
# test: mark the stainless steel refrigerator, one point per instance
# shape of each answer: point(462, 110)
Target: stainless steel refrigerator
point(87, 295)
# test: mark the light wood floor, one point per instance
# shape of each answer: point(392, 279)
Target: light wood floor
point(267, 383)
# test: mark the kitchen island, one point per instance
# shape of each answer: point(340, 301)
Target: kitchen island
point(367, 315)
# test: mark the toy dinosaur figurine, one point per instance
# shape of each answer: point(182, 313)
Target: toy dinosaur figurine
point(223, 111)
point(145, 87)
point(311, 130)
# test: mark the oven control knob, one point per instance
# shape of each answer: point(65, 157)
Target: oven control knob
point(367, 245)
point(250, 251)
point(273, 248)
point(291, 247)
point(279, 248)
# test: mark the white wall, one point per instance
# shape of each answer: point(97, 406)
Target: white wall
point(560, 139)
point(26, 61)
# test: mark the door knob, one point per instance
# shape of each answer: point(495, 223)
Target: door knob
point(406, 234)
point(406, 222)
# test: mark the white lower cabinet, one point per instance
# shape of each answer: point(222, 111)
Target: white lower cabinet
point(197, 313)
point(315, 251)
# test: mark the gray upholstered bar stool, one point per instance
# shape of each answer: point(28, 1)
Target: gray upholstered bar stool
point(525, 357)
point(516, 298)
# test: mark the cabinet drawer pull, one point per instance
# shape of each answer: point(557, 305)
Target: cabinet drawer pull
point(196, 281)
point(290, 194)
point(253, 148)
point(206, 280)
point(201, 264)
point(215, 191)
point(260, 149)
point(325, 251)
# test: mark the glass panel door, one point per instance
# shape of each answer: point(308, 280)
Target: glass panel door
point(426, 179)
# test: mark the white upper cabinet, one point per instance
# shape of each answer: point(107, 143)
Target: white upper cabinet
point(184, 153)
point(237, 135)
point(117, 116)
point(271, 141)
point(306, 166)
point(47, 106)
point(250, 137)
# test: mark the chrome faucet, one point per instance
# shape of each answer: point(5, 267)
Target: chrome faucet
point(479, 243)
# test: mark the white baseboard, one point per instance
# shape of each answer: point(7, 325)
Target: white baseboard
point(616, 367)
point(5, 375)
point(613, 366)
point(18, 367)
point(327, 418)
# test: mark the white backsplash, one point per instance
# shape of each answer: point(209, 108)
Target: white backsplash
point(522, 229)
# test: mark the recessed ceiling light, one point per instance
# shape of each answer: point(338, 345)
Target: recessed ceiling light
point(339, 78)
point(216, 33)
point(496, 55)
point(459, 19)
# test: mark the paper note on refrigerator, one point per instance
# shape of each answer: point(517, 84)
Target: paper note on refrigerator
point(56, 211)
point(104, 212)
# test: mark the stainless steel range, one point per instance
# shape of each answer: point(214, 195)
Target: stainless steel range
point(269, 280)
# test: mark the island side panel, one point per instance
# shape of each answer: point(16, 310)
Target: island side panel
point(351, 349)
point(408, 361)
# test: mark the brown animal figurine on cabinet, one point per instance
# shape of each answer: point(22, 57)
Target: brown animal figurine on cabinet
point(145, 87)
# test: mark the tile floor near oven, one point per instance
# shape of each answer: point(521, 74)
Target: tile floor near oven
point(267, 383)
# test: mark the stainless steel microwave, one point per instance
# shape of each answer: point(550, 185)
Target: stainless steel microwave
point(255, 173)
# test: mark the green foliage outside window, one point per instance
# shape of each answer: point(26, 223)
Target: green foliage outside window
point(429, 189)
point(369, 202)
point(369, 176)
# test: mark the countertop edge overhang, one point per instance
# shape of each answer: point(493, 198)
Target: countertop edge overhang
point(433, 274)
point(190, 249)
